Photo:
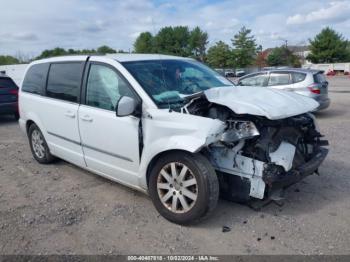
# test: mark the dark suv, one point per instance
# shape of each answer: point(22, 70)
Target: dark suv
point(8, 96)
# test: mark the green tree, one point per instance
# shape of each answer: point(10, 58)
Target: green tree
point(328, 47)
point(52, 52)
point(144, 43)
point(106, 50)
point(244, 48)
point(8, 60)
point(173, 41)
point(197, 43)
point(219, 55)
point(282, 56)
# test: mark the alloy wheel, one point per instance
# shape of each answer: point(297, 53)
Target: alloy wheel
point(38, 144)
point(177, 187)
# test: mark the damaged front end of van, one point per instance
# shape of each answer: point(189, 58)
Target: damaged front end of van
point(269, 140)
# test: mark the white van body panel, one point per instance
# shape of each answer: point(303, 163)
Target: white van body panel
point(122, 148)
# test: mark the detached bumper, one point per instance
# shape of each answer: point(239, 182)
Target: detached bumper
point(285, 179)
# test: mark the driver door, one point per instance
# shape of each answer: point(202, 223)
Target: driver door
point(110, 143)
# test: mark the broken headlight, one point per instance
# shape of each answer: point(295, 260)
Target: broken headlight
point(238, 130)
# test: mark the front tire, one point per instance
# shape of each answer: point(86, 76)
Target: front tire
point(183, 187)
point(38, 145)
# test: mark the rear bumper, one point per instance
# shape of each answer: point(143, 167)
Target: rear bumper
point(293, 176)
point(324, 103)
point(8, 108)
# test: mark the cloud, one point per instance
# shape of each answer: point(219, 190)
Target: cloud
point(336, 12)
point(25, 36)
point(96, 26)
point(32, 26)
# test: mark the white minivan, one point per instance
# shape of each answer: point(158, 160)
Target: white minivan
point(171, 127)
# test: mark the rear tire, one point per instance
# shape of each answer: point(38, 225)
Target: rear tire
point(38, 145)
point(184, 187)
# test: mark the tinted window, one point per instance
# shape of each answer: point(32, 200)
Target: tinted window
point(298, 77)
point(105, 87)
point(319, 78)
point(35, 79)
point(64, 81)
point(279, 79)
point(255, 80)
point(7, 83)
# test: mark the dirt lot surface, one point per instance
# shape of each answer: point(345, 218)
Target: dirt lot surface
point(62, 209)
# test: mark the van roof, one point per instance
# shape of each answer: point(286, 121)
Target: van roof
point(120, 57)
point(140, 57)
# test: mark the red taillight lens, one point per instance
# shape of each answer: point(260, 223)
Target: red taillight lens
point(14, 91)
point(314, 89)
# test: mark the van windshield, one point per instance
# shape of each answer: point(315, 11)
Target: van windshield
point(168, 81)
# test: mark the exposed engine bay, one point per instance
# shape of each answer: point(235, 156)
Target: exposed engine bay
point(256, 155)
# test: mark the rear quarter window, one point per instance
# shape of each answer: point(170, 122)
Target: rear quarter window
point(64, 81)
point(298, 77)
point(35, 79)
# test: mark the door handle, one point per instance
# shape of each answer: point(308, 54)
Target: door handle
point(70, 114)
point(86, 118)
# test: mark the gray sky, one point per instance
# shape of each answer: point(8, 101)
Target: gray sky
point(31, 26)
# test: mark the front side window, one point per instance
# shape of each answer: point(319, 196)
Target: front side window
point(254, 80)
point(168, 81)
point(105, 87)
point(64, 81)
point(35, 79)
point(277, 79)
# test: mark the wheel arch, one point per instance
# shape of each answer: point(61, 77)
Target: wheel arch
point(159, 155)
point(28, 124)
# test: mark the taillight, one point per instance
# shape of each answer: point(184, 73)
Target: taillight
point(14, 92)
point(314, 88)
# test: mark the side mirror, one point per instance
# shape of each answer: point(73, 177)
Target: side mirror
point(126, 106)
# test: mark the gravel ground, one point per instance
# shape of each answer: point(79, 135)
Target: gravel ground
point(62, 209)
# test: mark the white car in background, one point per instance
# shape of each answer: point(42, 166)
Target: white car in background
point(170, 127)
point(306, 82)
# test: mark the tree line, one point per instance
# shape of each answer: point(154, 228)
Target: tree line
point(243, 51)
point(58, 51)
point(327, 47)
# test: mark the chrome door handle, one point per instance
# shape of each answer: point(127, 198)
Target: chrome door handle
point(86, 118)
point(70, 114)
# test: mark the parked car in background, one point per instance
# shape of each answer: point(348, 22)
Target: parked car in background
point(239, 73)
point(225, 72)
point(171, 127)
point(307, 82)
point(8, 96)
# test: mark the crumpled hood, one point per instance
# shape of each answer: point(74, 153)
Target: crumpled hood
point(271, 103)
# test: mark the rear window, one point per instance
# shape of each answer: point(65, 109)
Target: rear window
point(7, 83)
point(319, 78)
point(34, 81)
point(298, 77)
point(64, 81)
